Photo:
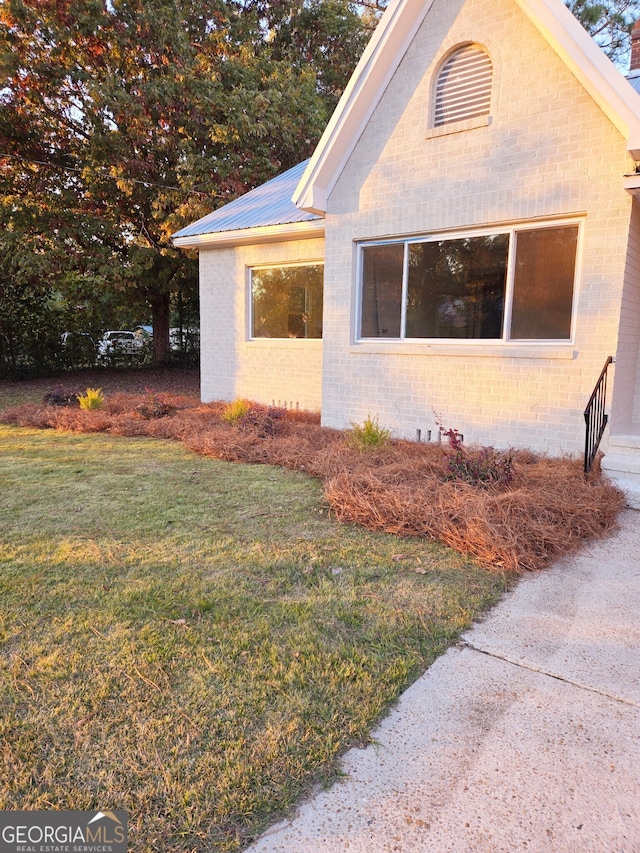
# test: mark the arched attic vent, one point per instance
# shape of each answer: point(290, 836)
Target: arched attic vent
point(463, 87)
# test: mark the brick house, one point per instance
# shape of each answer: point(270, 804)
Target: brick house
point(465, 241)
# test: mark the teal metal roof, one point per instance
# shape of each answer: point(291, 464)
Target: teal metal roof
point(268, 204)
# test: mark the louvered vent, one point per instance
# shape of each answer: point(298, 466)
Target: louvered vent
point(464, 86)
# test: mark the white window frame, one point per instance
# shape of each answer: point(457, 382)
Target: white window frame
point(316, 262)
point(504, 341)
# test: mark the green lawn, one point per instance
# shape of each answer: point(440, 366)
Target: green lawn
point(194, 641)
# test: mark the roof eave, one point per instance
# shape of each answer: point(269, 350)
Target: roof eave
point(391, 38)
point(247, 236)
point(633, 146)
point(590, 66)
point(611, 92)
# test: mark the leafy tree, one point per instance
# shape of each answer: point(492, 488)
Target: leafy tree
point(30, 327)
point(121, 120)
point(609, 23)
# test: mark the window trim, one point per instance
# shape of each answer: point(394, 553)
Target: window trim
point(501, 344)
point(458, 127)
point(249, 269)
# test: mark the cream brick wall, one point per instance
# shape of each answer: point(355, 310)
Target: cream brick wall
point(548, 152)
point(626, 411)
point(284, 372)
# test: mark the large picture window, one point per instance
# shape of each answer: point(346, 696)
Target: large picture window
point(286, 302)
point(516, 284)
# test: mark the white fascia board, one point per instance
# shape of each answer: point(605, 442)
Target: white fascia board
point(372, 75)
point(247, 236)
point(592, 68)
point(631, 183)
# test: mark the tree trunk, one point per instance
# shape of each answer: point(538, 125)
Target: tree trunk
point(161, 346)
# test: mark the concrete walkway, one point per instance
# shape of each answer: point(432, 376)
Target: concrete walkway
point(524, 737)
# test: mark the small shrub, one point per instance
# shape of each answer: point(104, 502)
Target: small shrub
point(60, 397)
point(265, 421)
point(455, 437)
point(92, 399)
point(153, 407)
point(235, 411)
point(481, 467)
point(368, 435)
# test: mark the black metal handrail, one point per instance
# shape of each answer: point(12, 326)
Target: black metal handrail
point(595, 417)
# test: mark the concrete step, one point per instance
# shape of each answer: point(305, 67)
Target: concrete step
point(622, 463)
point(623, 467)
point(631, 489)
point(628, 438)
point(624, 444)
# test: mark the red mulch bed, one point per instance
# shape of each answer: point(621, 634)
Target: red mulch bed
point(547, 509)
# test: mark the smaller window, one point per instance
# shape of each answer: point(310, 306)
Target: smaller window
point(463, 89)
point(286, 302)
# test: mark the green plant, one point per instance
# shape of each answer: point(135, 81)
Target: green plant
point(368, 435)
point(93, 398)
point(235, 411)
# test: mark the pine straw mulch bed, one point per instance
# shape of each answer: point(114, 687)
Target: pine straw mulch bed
point(547, 509)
